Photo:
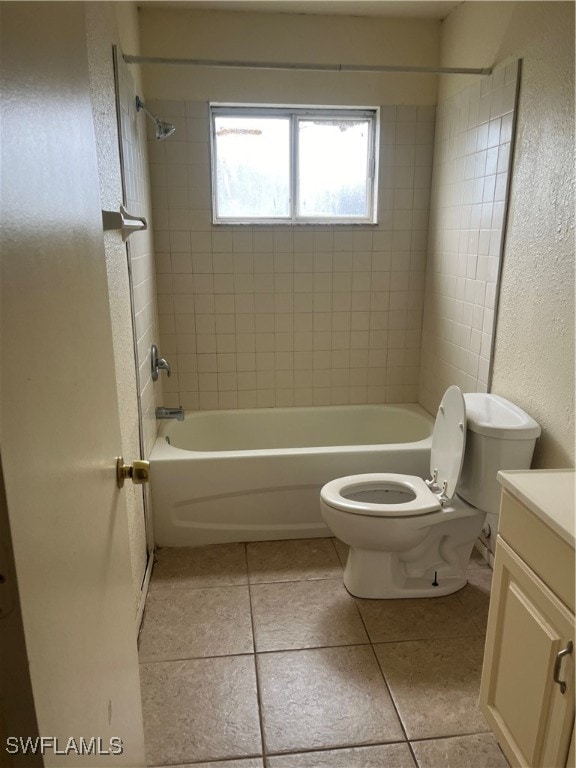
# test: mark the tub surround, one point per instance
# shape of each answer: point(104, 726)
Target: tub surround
point(472, 161)
point(290, 316)
point(474, 34)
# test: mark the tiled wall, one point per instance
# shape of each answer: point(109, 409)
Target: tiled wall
point(140, 250)
point(282, 316)
point(472, 160)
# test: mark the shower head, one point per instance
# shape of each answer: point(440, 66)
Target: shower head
point(163, 130)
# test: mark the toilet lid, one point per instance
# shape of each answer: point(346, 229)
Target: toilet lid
point(449, 440)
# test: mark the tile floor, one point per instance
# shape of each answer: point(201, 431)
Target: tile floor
point(255, 656)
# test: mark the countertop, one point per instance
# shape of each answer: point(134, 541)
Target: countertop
point(549, 493)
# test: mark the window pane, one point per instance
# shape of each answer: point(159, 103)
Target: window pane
point(333, 167)
point(252, 167)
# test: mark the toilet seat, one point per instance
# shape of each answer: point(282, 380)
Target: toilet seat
point(424, 500)
point(446, 456)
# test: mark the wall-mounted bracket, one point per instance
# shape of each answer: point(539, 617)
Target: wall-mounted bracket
point(124, 221)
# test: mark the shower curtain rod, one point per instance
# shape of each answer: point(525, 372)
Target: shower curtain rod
point(306, 67)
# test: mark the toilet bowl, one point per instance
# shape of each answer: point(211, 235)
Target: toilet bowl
point(413, 538)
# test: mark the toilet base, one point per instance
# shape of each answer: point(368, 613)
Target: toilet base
point(381, 575)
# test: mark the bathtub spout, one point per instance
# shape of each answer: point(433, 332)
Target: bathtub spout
point(170, 413)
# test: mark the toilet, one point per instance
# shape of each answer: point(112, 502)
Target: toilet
point(410, 537)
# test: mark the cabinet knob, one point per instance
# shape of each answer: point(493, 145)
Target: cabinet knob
point(558, 663)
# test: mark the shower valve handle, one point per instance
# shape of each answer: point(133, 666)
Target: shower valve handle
point(158, 363)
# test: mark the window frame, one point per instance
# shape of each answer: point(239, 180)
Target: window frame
point(295, 113)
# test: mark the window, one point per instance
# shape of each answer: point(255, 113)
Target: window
point(299, 165)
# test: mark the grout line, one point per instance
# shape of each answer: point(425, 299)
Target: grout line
point(297, 581)
point(477, 633)
point(216, 760)
point(164, 589)
point(161, 587)
point(262, 652)
point(258, 686)
point(335, 749)
point(371, 643)
point(197, 658)
point(316, 648)
point(396, 710)
point(450, 736)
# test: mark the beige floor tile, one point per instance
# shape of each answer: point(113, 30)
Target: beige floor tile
point(201, 709)
point(435, 684)
point(305, 614)
point(478, 751)
point(218, 565)
point(342, 550)
point(249, 762)
point(292, 560)
point(415, 619)
point(382, 756)
point(192, 623)
point(324, 698)
point(475, 596)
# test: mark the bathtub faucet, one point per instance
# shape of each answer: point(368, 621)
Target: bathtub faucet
point(170, 413)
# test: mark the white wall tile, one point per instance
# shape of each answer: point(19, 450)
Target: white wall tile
point(467, 216)
point(282, 316)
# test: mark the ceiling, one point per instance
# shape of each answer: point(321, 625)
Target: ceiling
point(414, 9)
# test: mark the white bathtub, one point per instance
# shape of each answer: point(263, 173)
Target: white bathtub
point(250, 475)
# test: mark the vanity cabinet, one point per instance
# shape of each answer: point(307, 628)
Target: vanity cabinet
point(527, 689)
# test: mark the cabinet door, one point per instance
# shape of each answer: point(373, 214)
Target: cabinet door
point(571, 762)
point(527, 628)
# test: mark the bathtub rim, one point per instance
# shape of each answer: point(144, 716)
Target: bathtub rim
point(163, 451)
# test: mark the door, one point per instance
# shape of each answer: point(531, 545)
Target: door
point(59, 427)
point(531, 714)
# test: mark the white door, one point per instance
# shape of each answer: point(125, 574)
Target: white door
point(59, 413)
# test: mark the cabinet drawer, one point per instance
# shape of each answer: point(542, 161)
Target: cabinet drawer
point(541, 548)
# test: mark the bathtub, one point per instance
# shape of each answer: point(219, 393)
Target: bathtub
point(256, 474)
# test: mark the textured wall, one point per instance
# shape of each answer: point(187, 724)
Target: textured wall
point(534, 353)
point(282, 316)
point(292, 38)
point(470, 178)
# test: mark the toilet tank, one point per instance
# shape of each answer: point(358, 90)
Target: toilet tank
point(499, 435)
